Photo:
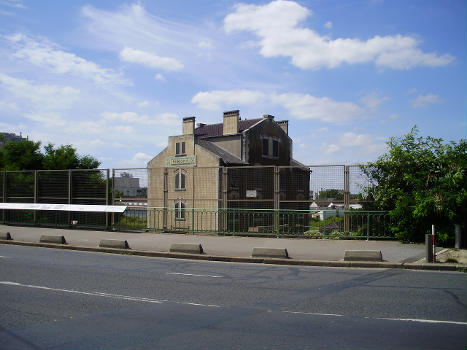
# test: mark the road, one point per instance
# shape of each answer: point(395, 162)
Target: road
point(73, 300)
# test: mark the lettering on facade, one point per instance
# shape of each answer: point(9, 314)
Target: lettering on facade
point(180, 161)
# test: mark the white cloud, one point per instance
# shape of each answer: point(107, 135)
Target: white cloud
point(205, 44)
point(305, 106)
point(43, 96)
point(13, 3)
point(143, 104)
point(221, 99)
point(329, 148)
point(372, 101)
point(43, 53)
point(150, 60)
point(394, 116)
point(328, 25)
point(46, 119)
point(425, 100)
point(124, 129)
point(142, 157)
point(165, 119)
point(364, 142)
point(5, 105)
point(276, 24)
point(159, 77)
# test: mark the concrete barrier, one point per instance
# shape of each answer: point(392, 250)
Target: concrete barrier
point(280, 253)
point(363, 255)
point(114, 243)
point(5, 236)
point(52, 239)
point(190, 248)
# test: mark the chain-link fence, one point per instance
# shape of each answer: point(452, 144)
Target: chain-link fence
point(317, 200)
point(78, 186)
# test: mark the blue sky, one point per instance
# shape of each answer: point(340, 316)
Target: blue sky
point(114, 79)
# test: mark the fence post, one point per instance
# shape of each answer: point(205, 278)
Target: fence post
point(70, 177)
point(166, 190)
point(433, 242)
point(35, 196)
point(113, 197)
point(4, 195)
point(368, 226)
point(428, 248)
point(346, 198)
point(107, 199)
point(225, 186)
point(276, 200)
point(458, 236)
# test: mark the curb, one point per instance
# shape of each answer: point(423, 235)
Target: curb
point(272, 261)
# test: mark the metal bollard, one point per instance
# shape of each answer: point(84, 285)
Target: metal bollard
point(458, 237)
point(428, 248)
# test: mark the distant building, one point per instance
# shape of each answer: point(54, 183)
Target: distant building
point(128, 186)
point(10, 137)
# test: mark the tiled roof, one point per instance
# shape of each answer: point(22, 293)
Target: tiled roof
point(213, 130)
point(227, 157)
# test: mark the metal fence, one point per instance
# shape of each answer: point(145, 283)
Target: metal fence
point(311, 201)
point(55, 187)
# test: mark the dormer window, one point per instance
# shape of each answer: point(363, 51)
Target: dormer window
point(180, 149)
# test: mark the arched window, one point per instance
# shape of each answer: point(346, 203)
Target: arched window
point(179, 211)
point(180, 180)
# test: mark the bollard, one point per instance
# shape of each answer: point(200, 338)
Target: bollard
point(428, 248)
point(458, 236)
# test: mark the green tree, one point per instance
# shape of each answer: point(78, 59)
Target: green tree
point(66, 157)
point(21, 155)
point(331, 194)
point(421, 181)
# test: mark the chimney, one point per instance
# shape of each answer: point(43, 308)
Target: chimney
point(189, 126)
point(230, 126)
point(268, 116)
point(284, 124)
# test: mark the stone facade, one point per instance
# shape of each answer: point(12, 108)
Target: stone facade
point(198, 169)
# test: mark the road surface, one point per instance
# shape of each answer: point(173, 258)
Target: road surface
point(53, 298)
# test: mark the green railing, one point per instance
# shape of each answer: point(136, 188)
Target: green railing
point(333, 224)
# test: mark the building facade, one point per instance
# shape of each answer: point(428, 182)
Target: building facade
point(238, 163)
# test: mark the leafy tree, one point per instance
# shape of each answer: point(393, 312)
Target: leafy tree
point(65, 157)
point(331, 194)
point(21, 155)
point(421, 181)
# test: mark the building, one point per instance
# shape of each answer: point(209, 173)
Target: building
point(238, 163)
point(7, 136)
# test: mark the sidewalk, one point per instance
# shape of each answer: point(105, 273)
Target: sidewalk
point(299, 249)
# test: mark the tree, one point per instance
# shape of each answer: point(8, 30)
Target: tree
point(27, 155)
point(21, 155)
point(65, 157)
point(421, 181)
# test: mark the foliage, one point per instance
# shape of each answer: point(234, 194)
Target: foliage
point(421, 181)
point(27, 155)
point(21, 155)
point(331, 194)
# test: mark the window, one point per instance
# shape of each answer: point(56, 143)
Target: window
point(265, 147)
point(275, 148)
point(270, 151)
point(180, 180)
point(179, 211)
point(180, 149)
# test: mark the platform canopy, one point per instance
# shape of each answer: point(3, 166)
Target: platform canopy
point(65, 207)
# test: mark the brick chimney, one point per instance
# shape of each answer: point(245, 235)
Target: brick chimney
point(230, 126)
point(284, 124)
point(189, 126)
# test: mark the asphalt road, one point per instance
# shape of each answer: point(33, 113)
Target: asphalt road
point(73, 300)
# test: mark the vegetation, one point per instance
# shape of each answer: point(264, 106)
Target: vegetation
point(27, 155)
point(421, 181)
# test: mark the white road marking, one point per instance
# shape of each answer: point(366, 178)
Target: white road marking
point(105, 295)
point(312, 313)
point(380, 318)
point(422, 320)
point(192, 274)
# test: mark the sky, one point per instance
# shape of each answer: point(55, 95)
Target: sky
point(115, 78)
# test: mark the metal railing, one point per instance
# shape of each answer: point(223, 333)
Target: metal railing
point(333, 224)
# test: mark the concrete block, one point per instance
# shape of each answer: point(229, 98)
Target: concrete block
point(363, 255)
point(5, 236)
point(114, 243)
point(270, 253)
point(52, 239)
point(190, 248)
